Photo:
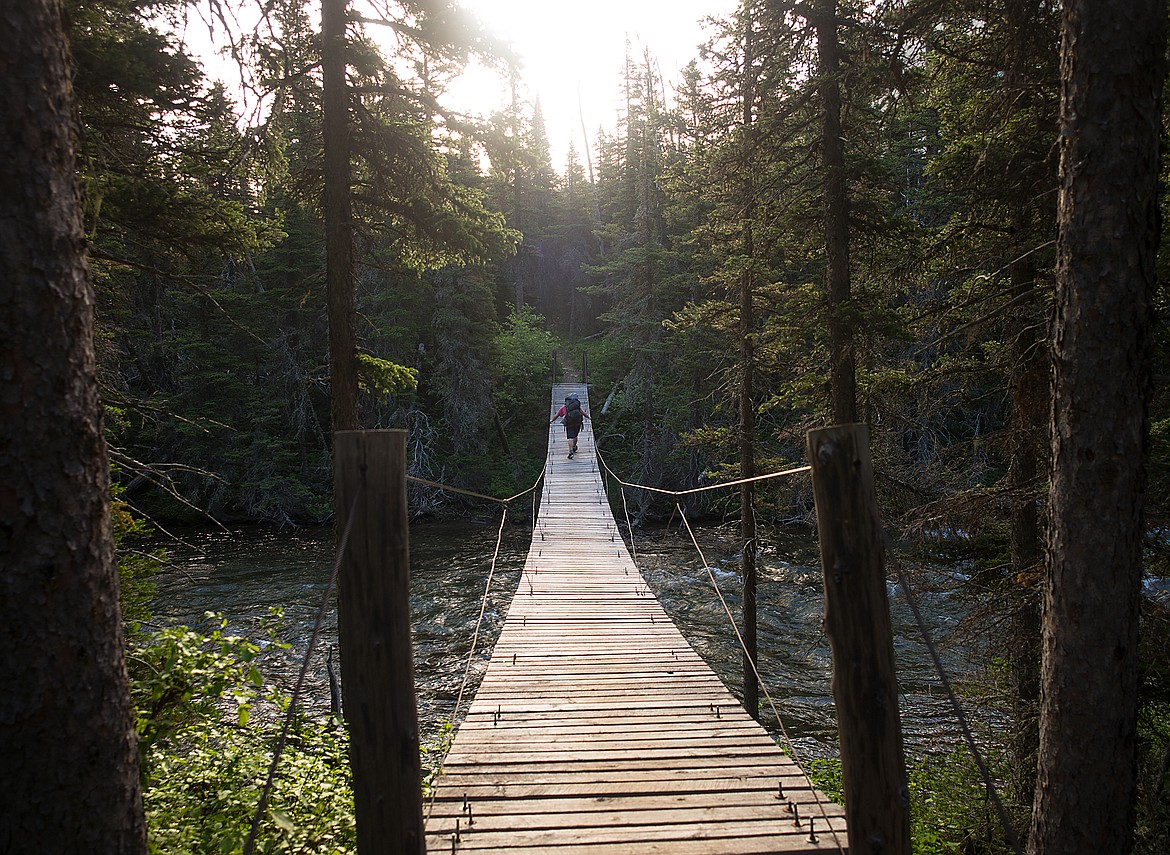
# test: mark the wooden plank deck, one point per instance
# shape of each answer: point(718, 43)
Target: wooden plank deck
point(597, 728)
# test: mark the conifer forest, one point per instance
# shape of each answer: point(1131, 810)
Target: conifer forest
point(894, 213)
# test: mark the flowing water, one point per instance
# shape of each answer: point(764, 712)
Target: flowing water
point(244, 575)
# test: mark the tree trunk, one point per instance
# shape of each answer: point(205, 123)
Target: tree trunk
point(747, 454)
point(842, 370)
point(67, 742)
point(1112, 70)
point(338, 217)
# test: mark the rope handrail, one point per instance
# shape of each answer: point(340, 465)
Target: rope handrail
point(448, 488)
point(796, 470)
point(479, 620)
point(296, 695)
point(483, 609)
point(1004, 820)
point(928, 641)
point(760, 680)
point(904, 582)
point(791, 747)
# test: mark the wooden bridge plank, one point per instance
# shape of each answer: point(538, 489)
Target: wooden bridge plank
point(597, 728)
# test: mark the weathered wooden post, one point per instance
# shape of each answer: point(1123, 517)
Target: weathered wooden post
point(857, 623)
point(584, 367)
point(554, 368)
point(377, 668)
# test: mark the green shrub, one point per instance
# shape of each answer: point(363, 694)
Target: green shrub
point(204, 792)
point(205, 752)
point(949, 809)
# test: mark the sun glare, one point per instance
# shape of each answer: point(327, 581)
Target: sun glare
point(572, 56)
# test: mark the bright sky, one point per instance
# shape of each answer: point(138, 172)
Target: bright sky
point(565, 48)
point(570, 47)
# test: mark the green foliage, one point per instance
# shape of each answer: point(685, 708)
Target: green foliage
point(949, 809)
point(205, 750)
point(433, 754)
point(204, 796)
point(383, 377)
point(182, 677)
point(135, 568)
point(521, 354)
point(206, 723)
point(825, 775)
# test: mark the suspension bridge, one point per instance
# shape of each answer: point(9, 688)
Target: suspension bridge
point(597, 728)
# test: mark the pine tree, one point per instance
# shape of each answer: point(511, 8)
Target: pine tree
point(67, 736)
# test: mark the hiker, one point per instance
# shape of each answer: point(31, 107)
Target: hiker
point(574, 417)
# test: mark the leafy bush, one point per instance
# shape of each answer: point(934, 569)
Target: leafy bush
point(949, 809)
point(205, 755)
point(204, 793)
point(521, 357)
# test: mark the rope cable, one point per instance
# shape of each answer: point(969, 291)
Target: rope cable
point(296, 695)
point(1005, 821)
point(629, 525)
point(727, 609)
point(448, 488)
point(482, 610)
point(479, 620)
point(295, 699)
point(797, 470)
point(755, 670)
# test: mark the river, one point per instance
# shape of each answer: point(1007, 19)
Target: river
point(244, 574)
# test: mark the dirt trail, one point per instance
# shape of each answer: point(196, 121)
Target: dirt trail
point(570, 370)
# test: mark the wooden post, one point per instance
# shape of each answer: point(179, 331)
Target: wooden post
point(554, 368)
point(377, 669)
point(857, 623)
point(584, 367)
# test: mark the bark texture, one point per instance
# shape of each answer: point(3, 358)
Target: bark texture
point(338, 218)
point(842, 369)
point(1112, 69)
point(857, 624)
point(67, 742)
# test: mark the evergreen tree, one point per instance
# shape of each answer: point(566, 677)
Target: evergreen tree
point(1113, 67)
point(67, 736)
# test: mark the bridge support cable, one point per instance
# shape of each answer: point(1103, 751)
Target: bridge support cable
point(465, 680)
point(1005, 821)
point(479, 619)
point(597, 727)
point(294, 701)
point(886, 548)
point(789, 745)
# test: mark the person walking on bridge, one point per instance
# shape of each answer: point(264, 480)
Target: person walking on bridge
point(574, 417)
